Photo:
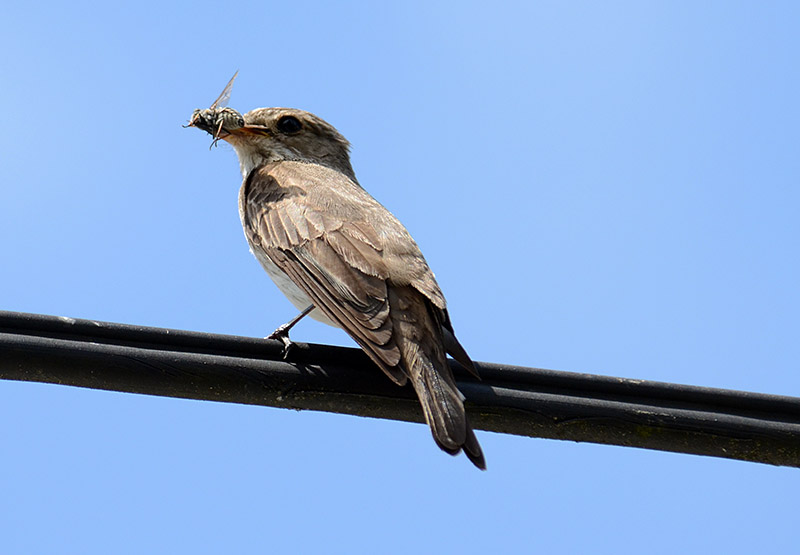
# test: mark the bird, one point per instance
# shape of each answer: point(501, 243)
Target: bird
point(343, 258)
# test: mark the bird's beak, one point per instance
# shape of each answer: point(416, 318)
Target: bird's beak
point(258, 130)
point(244, 132)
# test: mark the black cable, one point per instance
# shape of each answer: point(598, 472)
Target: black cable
point(509, 399)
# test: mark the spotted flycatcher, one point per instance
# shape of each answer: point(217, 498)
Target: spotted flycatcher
point(343, 258)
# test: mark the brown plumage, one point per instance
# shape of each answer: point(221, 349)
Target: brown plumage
point(325, 241)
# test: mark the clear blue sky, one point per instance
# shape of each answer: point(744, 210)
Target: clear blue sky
point(608, 188)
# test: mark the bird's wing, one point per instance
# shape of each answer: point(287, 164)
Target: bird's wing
point(344, 250)
point(335, 260)
point(358, 265)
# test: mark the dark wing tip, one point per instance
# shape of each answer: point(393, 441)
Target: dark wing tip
point(455, 350)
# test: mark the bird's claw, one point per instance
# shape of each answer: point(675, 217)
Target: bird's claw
point(282, 335)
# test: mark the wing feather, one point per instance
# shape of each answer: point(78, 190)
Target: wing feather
point(360, 268)
point(340, 271)
point(378, 343)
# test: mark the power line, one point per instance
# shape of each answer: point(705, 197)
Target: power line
point(509, 399)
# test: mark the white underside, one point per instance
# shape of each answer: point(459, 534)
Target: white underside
point(299, 299)
point(248, 160)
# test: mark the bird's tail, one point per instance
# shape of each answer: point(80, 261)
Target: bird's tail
point(423, 353)
point(443, 407)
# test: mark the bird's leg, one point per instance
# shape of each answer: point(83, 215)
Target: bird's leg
point(282, 333)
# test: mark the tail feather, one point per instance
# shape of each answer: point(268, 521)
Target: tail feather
point(473, 449)
point(443, 407)
point(422, 350)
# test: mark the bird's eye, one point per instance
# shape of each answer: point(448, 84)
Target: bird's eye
point(289, 125)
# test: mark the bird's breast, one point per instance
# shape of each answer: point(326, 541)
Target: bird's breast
point(298, 298)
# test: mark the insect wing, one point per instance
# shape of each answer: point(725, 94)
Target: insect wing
point(225, 95)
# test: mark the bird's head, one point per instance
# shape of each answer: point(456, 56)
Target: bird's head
point(278, 134)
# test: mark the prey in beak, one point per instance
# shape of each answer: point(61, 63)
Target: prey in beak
point(217, 120)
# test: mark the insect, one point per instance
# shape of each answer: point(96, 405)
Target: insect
point(217, 118)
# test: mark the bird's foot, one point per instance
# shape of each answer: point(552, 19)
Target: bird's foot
point(282, 335)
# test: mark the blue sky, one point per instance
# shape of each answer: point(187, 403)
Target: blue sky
point(608, 188)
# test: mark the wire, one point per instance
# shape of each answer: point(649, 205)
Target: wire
point(509, 399)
